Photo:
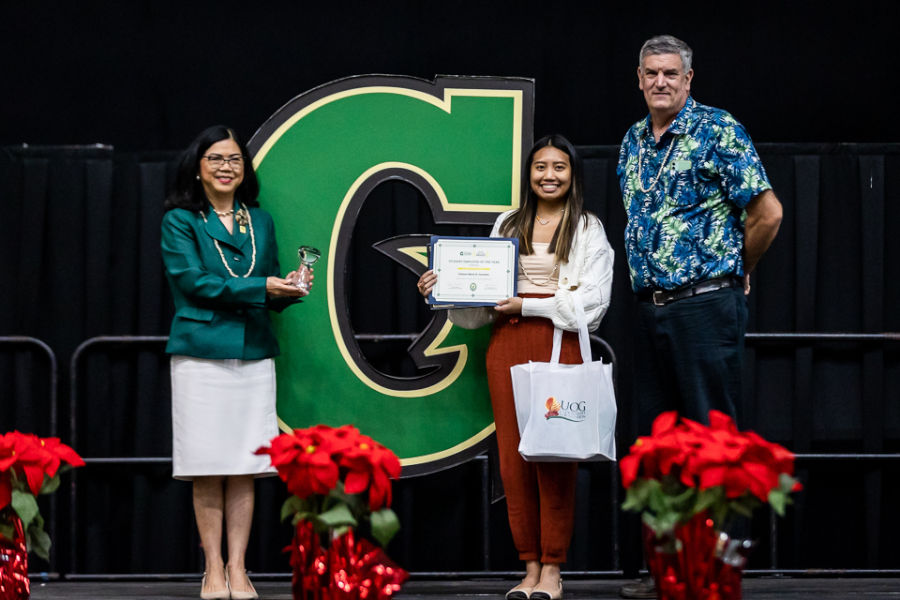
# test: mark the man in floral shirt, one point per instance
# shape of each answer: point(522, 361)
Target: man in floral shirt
point(701, 213)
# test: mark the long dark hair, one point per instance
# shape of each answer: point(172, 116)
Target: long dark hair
point(188, 191)
point(521, 223)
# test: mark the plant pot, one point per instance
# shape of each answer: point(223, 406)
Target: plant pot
point(14, 582)
point(309, 563)
point(347, 569)
point(695, 562)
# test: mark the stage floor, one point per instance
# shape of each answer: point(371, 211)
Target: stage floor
point(582, 589)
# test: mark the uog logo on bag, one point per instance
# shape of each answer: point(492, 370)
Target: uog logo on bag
point(569, 411)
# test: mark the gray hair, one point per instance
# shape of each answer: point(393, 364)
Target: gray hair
point(666, 44)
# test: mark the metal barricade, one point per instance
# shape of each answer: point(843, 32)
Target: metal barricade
point(53, 407)
point(797, 339)
point(83, 348)
point(605, 350)
point(601, 347)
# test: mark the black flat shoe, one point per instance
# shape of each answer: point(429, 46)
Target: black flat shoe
point(639, 589)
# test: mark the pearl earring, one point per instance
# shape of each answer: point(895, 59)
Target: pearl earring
point(198, 177)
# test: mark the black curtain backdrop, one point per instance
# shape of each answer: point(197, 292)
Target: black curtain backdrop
point(150, 74)
point(82, 246)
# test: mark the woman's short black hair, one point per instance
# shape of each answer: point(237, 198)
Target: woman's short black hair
point(188, 191)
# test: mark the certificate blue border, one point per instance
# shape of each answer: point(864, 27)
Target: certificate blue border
point(441, 305)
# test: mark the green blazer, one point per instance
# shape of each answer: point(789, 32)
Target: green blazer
point(218, 315)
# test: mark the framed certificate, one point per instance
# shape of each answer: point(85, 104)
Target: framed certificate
point(472, 271)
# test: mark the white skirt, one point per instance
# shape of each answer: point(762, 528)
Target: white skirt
point(222, 411)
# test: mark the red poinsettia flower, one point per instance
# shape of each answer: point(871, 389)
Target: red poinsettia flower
point(7, 456)
point(5, 490)
point(303, 461)
point(655, 456)
point(55, 453)
point(371, 466)
point(702, 457)
point(31, 458)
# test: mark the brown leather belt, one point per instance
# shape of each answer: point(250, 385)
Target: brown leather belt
point(663, 297)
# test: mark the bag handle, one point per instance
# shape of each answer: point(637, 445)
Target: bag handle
point(584, 339)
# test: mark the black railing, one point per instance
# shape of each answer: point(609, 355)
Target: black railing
point(81, 350)
point(23, 341)
point(605, 350)
point(52, 402)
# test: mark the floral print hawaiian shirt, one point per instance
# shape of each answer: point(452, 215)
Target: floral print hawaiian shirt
point(688, 226)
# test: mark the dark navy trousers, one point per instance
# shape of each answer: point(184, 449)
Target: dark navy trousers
point(689, 356)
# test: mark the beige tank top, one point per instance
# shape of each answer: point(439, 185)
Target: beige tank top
point(538, 272)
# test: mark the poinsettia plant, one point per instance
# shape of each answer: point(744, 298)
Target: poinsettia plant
point(685, 468)
point(30, 465)
point(338, 479)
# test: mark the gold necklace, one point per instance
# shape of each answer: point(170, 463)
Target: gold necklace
point(544, 283)
point(548, 219)
point(241, 215)
point(661, 167)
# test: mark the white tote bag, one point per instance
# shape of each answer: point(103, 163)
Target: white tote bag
point(566, 412)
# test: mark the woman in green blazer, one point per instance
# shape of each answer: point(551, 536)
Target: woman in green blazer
point(221, 261)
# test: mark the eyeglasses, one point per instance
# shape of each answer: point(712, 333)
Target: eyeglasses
point(216, 161)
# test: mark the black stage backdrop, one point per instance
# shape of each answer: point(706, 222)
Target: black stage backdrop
point(81, 244)
point(150, 74)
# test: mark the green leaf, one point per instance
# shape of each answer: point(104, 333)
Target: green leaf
point(662, 523)
point(786, 483)
point(779, 501)
point(657, 500)
point(336, 517)
point(708, 498)
point(304, 515)
point(742, 508)
point(291, 506)
point(39, 542)
point(355, 502)
point(7, 531)
point(51, 484)
point(636, 497)
point(684, 501)
point(385, 525)
point(25, 506)
point(339, 531)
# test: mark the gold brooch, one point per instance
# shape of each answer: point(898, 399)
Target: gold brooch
point(241, 217)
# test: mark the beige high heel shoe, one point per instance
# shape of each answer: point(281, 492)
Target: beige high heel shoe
point(219, 595)
point(251, 595)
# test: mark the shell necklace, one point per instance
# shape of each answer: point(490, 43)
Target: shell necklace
point(242, 216)
point(661, 167)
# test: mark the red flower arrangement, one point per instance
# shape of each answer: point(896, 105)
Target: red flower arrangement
point(687, 479)
point(29, 466)
point(338, 478)
point(685, 468)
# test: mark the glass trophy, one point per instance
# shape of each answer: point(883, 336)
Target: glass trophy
point(308, 257)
